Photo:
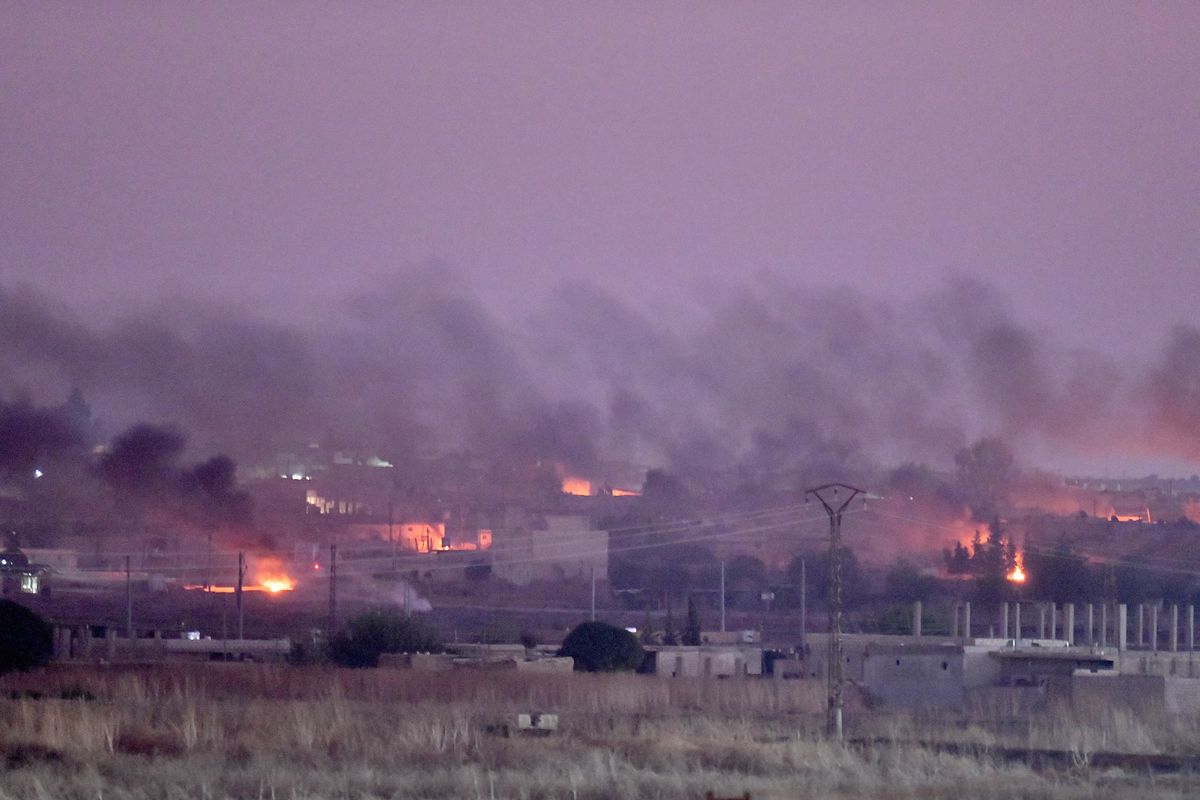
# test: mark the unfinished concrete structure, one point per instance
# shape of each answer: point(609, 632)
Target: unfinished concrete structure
point(704, 661)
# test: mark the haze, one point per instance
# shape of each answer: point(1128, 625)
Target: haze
point(610, 187)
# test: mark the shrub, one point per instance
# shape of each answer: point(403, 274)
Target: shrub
point(26, 640)
point(600, 647)
point(377, 632)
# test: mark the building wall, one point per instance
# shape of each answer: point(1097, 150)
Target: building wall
point(706, 661)
point(916, 677)
point(1145, 694)
point(61, 559)
point(549, 548)
point(569, 548)
point(1185, 665)
point(418, 537)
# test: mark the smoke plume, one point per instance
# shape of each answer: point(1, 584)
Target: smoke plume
point(764, 381)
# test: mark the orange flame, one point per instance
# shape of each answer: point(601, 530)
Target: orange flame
point(580, 487)
point(271, 577)
point(280, 584)
point(1018, 573)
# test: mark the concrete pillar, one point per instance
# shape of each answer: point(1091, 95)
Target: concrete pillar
point(954, 623)
point(916, 618)
point(1122, 627)
point(110, 644)
point(1091, 625)
point(1004, 620)
point(1053, 620)
point(1041, 620)
point(62, 643)
point(1153, 631)
point(1174, 627)
point(1191, 627)
point(85, 641)
point(1141, 625)
point(1104, 624)
point(1069, 622)
point(967, 620)
point(1017, 620)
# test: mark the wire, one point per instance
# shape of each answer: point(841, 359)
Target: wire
point(1054, 552)
point(577, 536)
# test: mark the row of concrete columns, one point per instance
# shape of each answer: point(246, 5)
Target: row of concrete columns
point(78, 643)
point(1055, 622)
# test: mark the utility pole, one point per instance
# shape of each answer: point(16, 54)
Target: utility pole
point(828, 496)
point(241, 579)
point(391, 538)
point(332, 590)
point(722, 597)
point(128, 602)
point(803, 609)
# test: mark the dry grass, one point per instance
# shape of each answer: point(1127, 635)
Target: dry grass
point(237, 731)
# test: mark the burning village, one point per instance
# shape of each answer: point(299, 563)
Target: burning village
point(545, 401)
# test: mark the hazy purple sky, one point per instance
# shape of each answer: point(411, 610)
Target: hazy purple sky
point(275, 154)
point(274, 151)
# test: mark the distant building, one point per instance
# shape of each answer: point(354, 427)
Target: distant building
point(704, 661)
point(548, 547)
point(18, 575)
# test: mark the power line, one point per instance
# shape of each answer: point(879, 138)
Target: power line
point(1054, 552)
point(577, 537)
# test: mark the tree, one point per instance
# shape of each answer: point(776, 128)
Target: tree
point(958, 560)
point(647, 632)
point(378, 632)
point(745, 572)
point(601, 647)
point(691, 630)
point(904, 583)
point(669, 638)
point(854, 585)
point(1060, 575)
point(26, 640)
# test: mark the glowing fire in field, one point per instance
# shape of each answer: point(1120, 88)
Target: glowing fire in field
point(1018, 573)
point(281, 584)
point(266, 574)
point(270, 575)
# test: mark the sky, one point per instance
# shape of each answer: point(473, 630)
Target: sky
point(272, 156)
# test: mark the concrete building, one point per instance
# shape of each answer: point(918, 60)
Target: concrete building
point(18, 575)
point(529, 548)
point(704, 661)
point(416, 537)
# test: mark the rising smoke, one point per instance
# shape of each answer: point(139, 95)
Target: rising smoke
point(766, 380)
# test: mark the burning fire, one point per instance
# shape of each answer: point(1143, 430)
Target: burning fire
point(579, 487)
point(268, 575)
point(280, 584)
point(1018, 573)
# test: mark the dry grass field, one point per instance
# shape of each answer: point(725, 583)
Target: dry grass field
point(253, 731)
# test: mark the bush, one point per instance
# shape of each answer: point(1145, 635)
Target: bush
point(600, 647)
point(26, 640)
point(375, 633)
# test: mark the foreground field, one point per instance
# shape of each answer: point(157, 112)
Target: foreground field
point(241, 731)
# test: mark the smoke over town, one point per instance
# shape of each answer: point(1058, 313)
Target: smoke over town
point(767, 380)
